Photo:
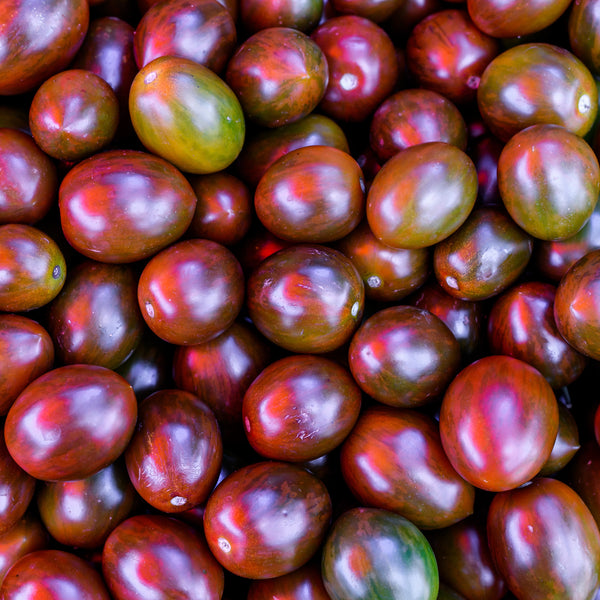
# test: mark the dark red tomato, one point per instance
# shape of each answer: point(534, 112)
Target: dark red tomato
point(109, 293)
point(548, 85)
point(25, 536)
point(415, 116)
point(544, 541)
point(549, 180)
point(304, 583)
point(267, 519)
point(374, 10)
point(447, 593)
point(224, 208)
point(465, 562)
point(73, 115)
point(422, 195)
point(300, 407)
point(403, 356)
point(27, 352)
point(566, 444)
point(303, 15)
point(53, 575)
point(219, 371)
point(374, 553)
point(71, 422)
point(265, 146)
point(315, 194)
point(16, 489)
point(410, 12)
point(464, 319)
point(484, 257)
point(202, 31)
point(576, 305)
point(498, 422)
point(158, 556)
point(306, 298)
point(521, 324)
point(279, 75)
point(583, 24)
point(447, 53)
point(363, 68)
point(394, 459)
point(39, 38)
point(515, 18)
point(485, 153)
point(174, 456)
point(28, 179)
point(191, 291)
point(584, 476)
point(102, 501)
point(122, 206)
point(185, 113)
point(388, 274)
point(33, 268)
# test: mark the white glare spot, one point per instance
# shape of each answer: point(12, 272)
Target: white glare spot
point(348, 81)
point(150, 77)
point(374, 281)
point(224, 545)
point(178, 500)
point(451, 282)
point(150, 309)
point(354, 309)
point(584, 104)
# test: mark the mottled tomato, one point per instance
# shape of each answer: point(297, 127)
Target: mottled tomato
point(71, 422)
point(304, 583)
point(300, 407)
point(484, 257)
point(566, 445)
point(28, 179)
point(121, 206)
point(158, 556)
point(374, 553)
point(174, 456)
point(103, 500)
point(267, 519)
point(403, 356)
point(584, 476)
point(374, 10)
point(303, 15)
point(185, 113)
point(279, 75)
point(544, 541)
point(53, 575)
point(498, 422)
point(422, 195)
point(39, 38)
point(33, 268)
point(583, 24)
point(306, 298)
point(393, 459)
point(548, 85)
point(314, 194)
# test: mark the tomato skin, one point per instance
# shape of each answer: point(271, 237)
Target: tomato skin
point(304, 583)
point(545, 542)
point(583, 24)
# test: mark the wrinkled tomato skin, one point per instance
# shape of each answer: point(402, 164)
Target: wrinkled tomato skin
point(544, 541)
point(267, 519)
point(498, 422)
point(121, 206)
point(171, 560)
point(402, 448)
point(52, 428)
point(584, 476)
point(584, 20)
point(174, 456)
point(304, 583)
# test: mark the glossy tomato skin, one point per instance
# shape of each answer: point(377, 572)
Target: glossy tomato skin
point(104, 499)
point(363, 69)
point(303, 15)
point(403, 356)
point(355, 565)
point(566, 445)
point(374, 10)
point(554, 551)
point(28, 179)
point(267, 519)
point(583, 24)
point(300, 407)
point(52, 428)
point(314, 194)
point(306, 298)
point(40, 39)
point(399, 203)
point(498, 422)
point(304, 583)
point(121, 206)
point(48, 573)
point(109, 293)
point(551, 86)
point(171, 560)
point(482, 258)
point(185, 113)
point(388, 455)
point(174, 456)
point(18, 368)
point(583, 477)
